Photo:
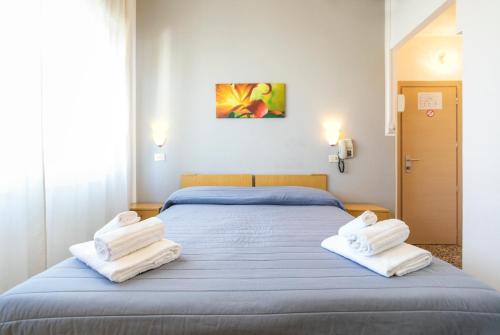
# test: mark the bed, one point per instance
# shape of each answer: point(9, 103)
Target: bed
point(252, 264)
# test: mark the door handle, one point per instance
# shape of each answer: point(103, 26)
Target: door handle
point(408, 162)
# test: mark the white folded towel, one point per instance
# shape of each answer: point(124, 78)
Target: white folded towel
point(379, 237)
point(120, 220)
point(147, 258)
point(400, 260)
point(366, 219)
point(125, 240)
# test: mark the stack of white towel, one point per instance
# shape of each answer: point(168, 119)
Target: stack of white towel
point(378, 246)
point(126, 246)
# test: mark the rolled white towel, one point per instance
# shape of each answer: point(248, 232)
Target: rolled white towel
point(400, 260)
point(120, 220)
point(367, 218)
point(125, 240)
point(377, 238)
point(150, 257)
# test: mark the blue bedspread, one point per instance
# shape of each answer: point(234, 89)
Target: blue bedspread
point(251, 269)
point(282, 196)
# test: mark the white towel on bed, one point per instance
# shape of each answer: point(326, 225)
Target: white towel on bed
point(367, 218)
point(379, 237)
point(400, 260)
point(120, 220)
point(125, 240)
point(147, 258)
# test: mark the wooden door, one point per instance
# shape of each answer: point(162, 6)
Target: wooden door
point(429, 163)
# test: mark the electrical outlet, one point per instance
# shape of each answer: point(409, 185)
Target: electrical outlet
point(159, 156)
point(333, 158)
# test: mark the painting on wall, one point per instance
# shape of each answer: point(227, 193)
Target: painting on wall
point(251, 101)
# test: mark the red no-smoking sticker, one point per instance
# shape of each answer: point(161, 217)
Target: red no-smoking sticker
point(429, 113)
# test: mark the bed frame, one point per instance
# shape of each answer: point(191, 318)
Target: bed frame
point(319, 181)
point(189, 180)
point(313, 180)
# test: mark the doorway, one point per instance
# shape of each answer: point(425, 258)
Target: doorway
point(428, 138)
point(429, 161)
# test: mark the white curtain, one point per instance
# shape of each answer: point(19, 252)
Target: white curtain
point(65, 125)
point(22, 228)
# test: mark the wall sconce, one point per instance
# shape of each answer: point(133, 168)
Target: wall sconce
point(442, 57)
point(345, 149)
point(333, 136)
point(444, 61)
point(332, 131)
point(159, 133)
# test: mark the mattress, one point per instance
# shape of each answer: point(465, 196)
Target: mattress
point(251, 268)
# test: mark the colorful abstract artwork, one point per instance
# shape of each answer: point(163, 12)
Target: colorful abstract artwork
point(255, 100)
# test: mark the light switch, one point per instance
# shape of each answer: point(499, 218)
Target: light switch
point(159, 156)
point(333, 158)
point(401, 103)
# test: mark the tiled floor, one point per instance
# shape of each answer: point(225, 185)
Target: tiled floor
point(449, 253)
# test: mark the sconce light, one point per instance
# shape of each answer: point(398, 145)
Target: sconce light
point(444, 61)
point(345, 148)
point(442, 57)
point(159, 134)
point(333, 137)
point(332, 134)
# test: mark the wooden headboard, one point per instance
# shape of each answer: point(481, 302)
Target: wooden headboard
point(247, 180)
point(314, 180)
point(189, 180)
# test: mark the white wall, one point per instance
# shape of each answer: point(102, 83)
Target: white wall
point(481, 139)
point(329, 53)
point(408, 16)
point(403, 18)
point(419, 59)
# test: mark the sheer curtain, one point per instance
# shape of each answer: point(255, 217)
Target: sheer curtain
point(22, 228)
point(65, 143)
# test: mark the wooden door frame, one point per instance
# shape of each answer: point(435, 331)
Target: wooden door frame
point(399, 163)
